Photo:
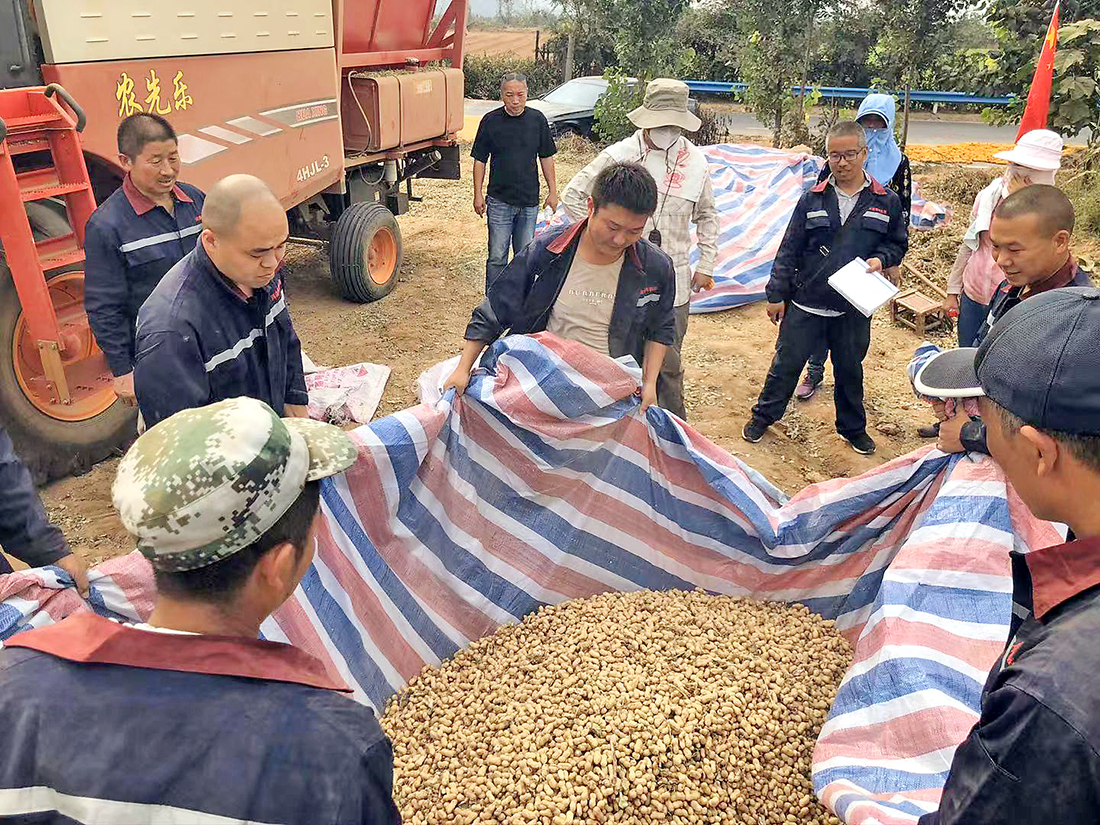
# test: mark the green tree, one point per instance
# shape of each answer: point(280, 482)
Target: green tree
point(1019, 27)
point(1075, 96)
point(844, 40)
point(642, 33)
point(775, 47)
point(621, 97)
point(916, 34)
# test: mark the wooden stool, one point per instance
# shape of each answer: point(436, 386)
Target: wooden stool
point(915, 310)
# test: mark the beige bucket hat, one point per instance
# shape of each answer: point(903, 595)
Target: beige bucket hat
point(666, 104)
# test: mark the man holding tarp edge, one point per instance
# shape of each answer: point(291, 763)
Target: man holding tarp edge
point(596, 282)
point(1031, 232)
point(1034, 756)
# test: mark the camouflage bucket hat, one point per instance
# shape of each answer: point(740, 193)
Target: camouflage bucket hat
point(207, 482)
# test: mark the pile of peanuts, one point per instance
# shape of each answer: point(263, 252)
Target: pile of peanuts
point(676, 707)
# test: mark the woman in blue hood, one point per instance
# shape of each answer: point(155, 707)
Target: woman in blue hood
point(887, 164)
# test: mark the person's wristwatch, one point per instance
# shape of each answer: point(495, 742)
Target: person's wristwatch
point(972, 436)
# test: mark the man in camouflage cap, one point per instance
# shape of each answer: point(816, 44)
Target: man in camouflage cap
point(190, 717)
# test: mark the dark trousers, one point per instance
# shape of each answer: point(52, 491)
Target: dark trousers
point(801, 334)
point(670, 381)
point(815, 369)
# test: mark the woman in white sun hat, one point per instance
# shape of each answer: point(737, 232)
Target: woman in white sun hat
point(1036, 158)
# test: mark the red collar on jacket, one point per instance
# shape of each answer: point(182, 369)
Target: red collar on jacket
point(1061, 572)
point(876, 187)
point(558, 245)
point(86, 638)
point(1063, 277)
point(141, 203)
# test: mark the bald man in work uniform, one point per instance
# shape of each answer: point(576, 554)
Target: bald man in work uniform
point(217, 326)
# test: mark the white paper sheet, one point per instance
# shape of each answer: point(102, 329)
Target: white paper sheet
point(862, 288)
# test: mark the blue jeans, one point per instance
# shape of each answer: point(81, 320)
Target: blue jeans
point(971, 317)
point(508, 225)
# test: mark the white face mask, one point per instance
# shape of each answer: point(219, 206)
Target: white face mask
point(664, 136)
point(1017, 177)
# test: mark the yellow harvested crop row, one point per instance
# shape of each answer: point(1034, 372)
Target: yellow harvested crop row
point(961, 152)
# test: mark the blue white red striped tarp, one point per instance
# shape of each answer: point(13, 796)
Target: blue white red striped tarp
point(755, 190)
point(544, 483)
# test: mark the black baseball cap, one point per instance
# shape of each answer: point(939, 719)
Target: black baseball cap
point(1040, 361)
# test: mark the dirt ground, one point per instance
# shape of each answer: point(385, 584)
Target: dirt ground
point(520, 42)
point(442, 275)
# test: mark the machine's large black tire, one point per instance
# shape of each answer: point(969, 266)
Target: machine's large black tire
point(52, 448)
point(362, 225)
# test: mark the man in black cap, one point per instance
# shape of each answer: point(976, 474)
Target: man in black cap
point(1034, 756)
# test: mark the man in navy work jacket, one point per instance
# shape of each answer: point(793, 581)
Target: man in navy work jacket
point(595, 282)
point(191, 718)
point(25, 531)
point(849, 215)
point(1034, 756)
point(1031, 232)
point(218, 326)
point(135, 237)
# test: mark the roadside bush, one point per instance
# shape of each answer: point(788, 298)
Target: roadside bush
point(958, 185)
point(484, 71)
point(1083, 190)
point(612, 123)
point(713, 131)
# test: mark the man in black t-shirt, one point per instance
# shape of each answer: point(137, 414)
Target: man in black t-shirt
point(513, 136)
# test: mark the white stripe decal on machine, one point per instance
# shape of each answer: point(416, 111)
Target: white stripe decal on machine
point(221, 133)
point(311, 122)
point(258, 127)
point(193, 149)
point(271, 112)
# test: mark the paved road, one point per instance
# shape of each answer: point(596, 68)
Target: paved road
point(920, 131)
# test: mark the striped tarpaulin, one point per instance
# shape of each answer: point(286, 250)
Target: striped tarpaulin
point(755, 190)
point(121, 588)
point(544, 483)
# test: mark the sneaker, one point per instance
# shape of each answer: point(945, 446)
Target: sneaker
point(929, 430)
point(807, 388)
point(754, 430)
point(862, 443)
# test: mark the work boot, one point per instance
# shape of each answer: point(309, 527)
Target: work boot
point(929, 430)
point(754, 430)
point(861, 443)
point(805, 391)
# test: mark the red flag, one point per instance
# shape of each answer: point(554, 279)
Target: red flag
point(1038, 99)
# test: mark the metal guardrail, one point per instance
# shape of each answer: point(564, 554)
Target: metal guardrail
point(716, 87)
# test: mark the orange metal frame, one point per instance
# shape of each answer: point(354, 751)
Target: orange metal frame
point(445, 42)
point(20, 109)
point(56, 360)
